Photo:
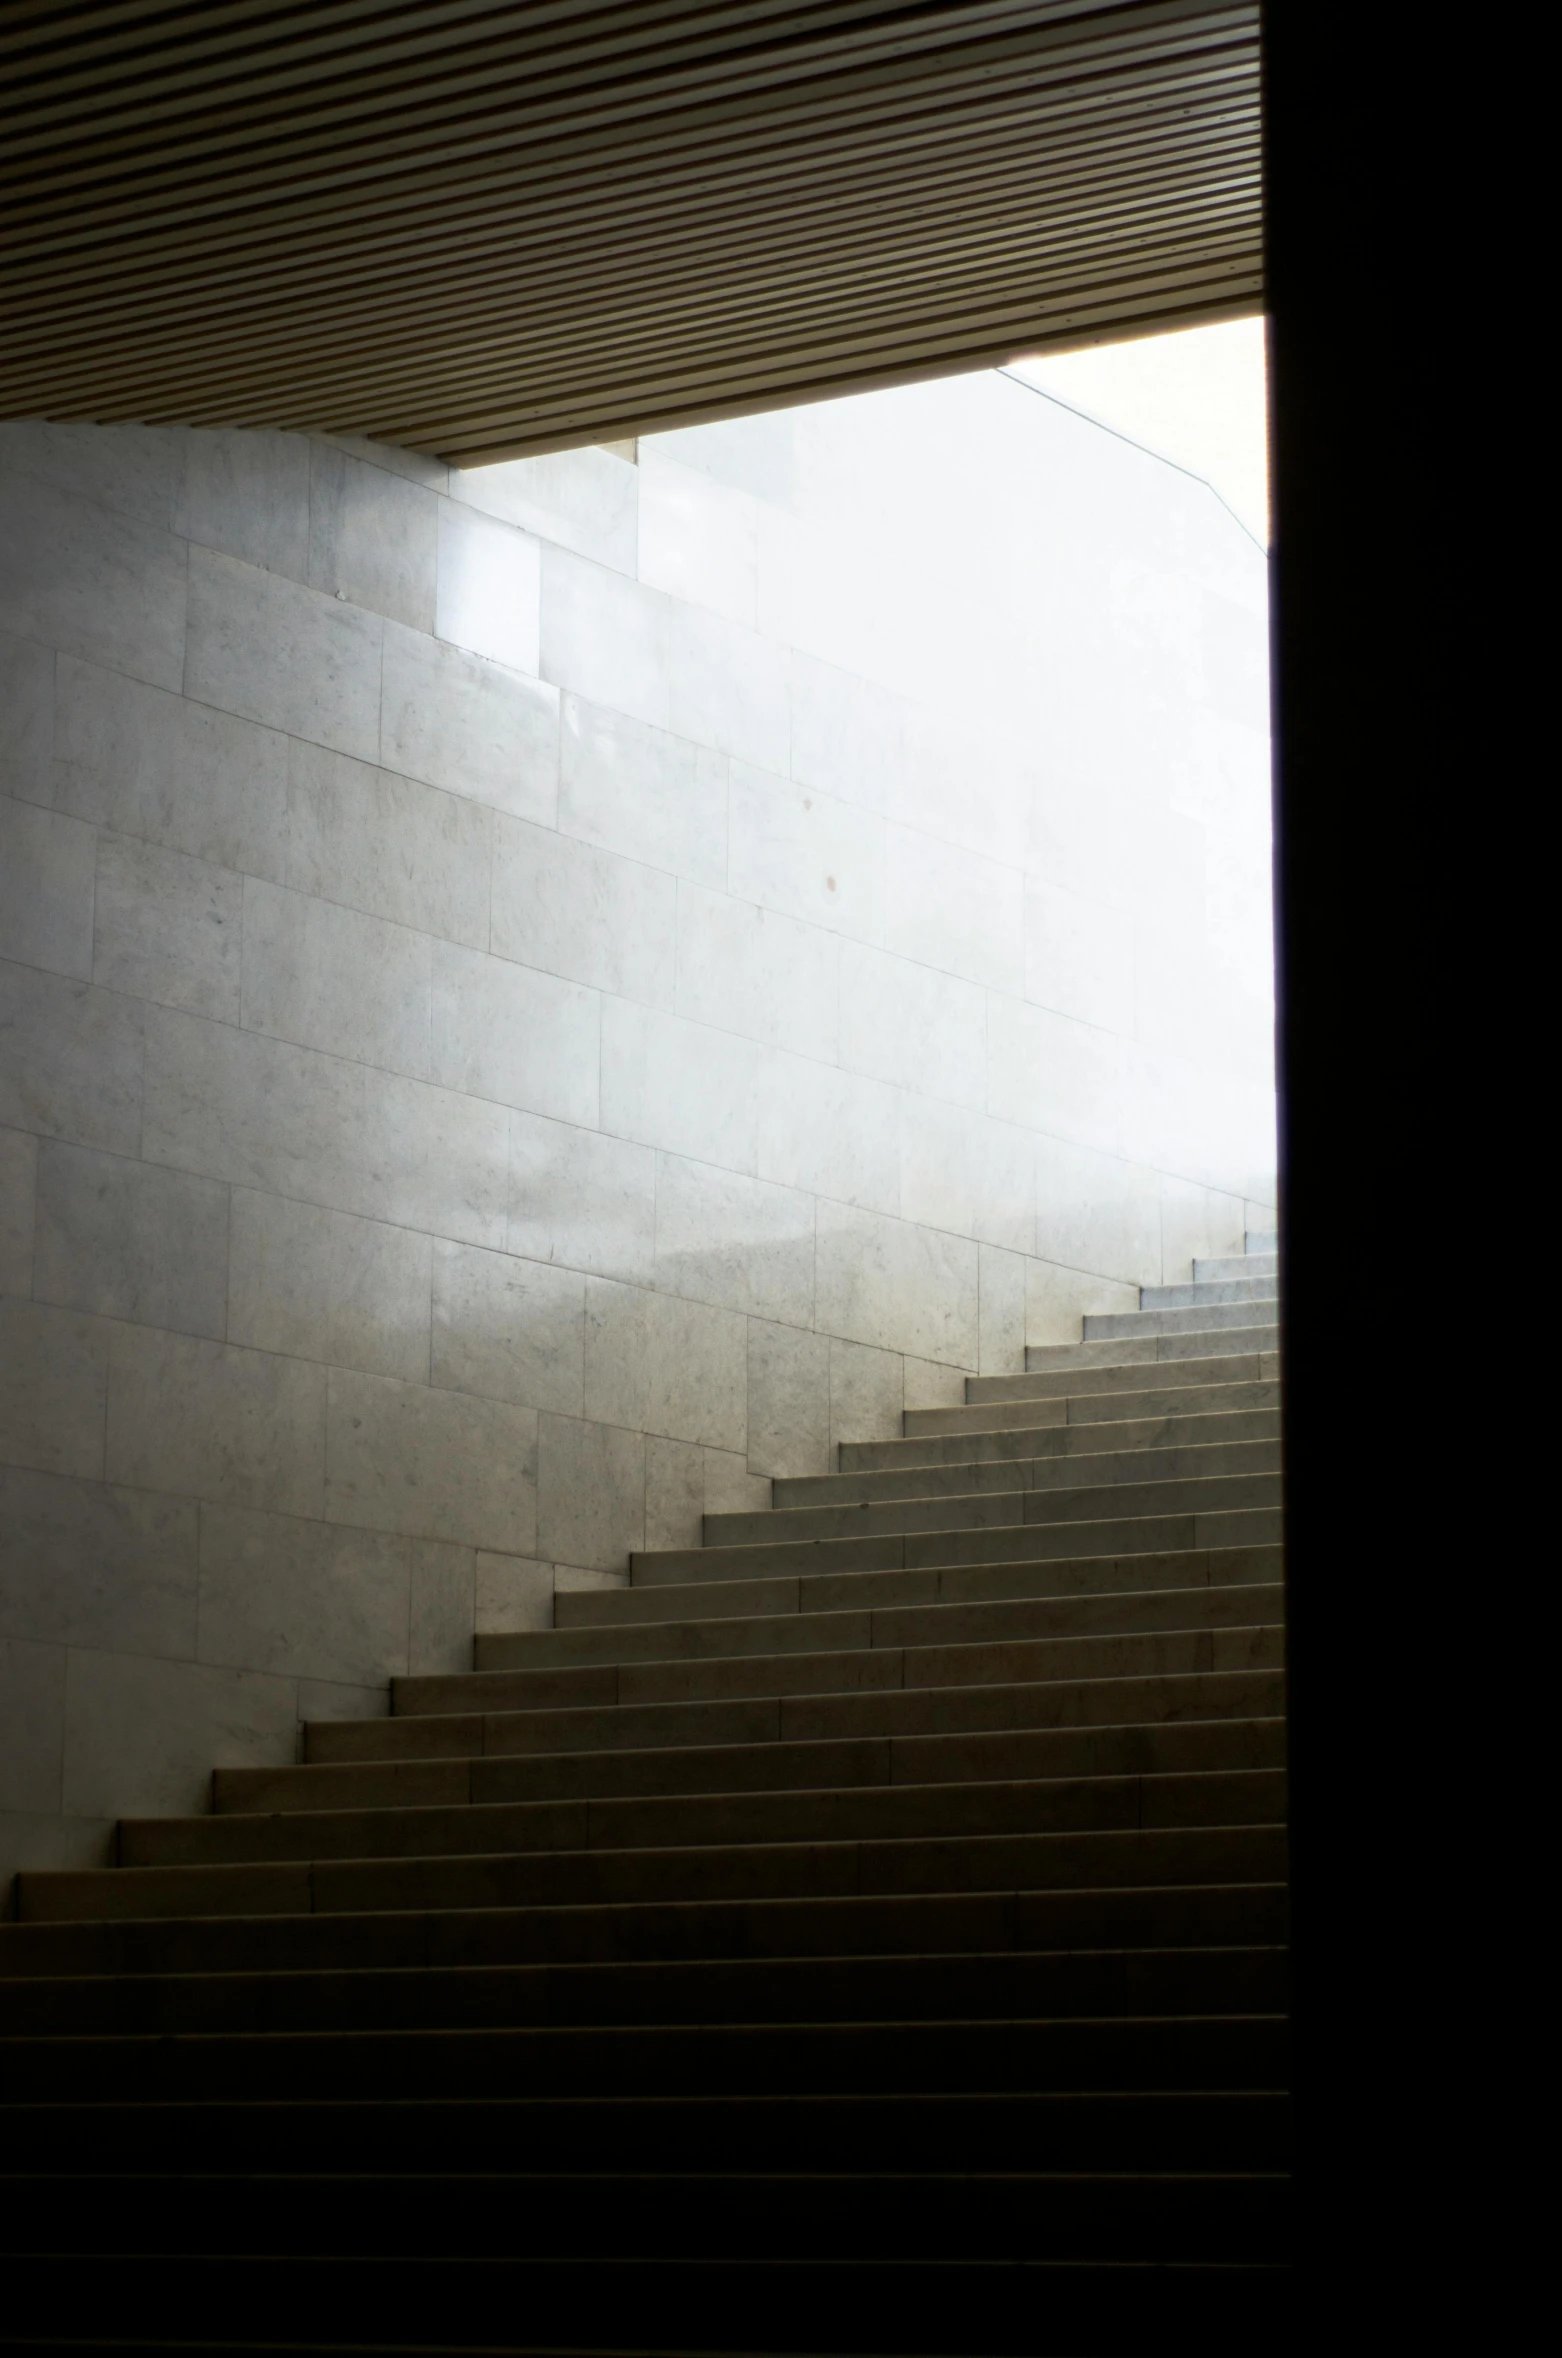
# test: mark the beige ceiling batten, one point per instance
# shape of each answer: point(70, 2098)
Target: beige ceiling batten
point(483, 230)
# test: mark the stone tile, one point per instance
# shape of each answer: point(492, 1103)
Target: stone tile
point(590, 1493)
point(658, 1365)
point(728, 688)
point(308, 1600)
point(18, 1194)
point(31, 1842)
point(32, 1726)
point(940, 1159)
point(930, 1386)
point(130, 1240)
point(325, 1285)
point(867, 1388)
point(152, 765)
point(1195, 1122)
point(907, 1024)
point(674, 1493)
point(730, 1487)
point(1097, 1212)
point(581, 1199)
point(70, 1060)
point(437, 1465)
point(26, 717)
point(754, 454)
point(506, 1032)
point(1079, 957)
point(605, 638)
point(168, 927)
point(1051, 1074)
point(91, 582)
point(270, 650)
point(829, 1131)
point(328, 1698)
point(53, 1387)
point(413, 466)
point(291, 1121)
point(211, 1421)
point(373, 536)
point(443, 1612)
point(806, 854)
point(1197, 1223)
point(697, 538)
point(490, 587)
point(573, 1579)
point(142, 1736)
point(584, 500)
point(333, 978)
point(899, 1287)
point(850, 737)
point(954, 910)
point(513, 1593)
point(735, 1241)
point(1001, 1311)
point(46, 868)
point(572, 910)
point(1058, 1300)
point(513, 1330)
point(677, 1085)
point(131, 469)
point(750, 970)
point(390, 846)
point(471, 726)
point(630, 787)
point(788, 1400)
point(246, 494)
point(83, 1564)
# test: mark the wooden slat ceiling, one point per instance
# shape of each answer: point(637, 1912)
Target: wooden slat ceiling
point(481, 230)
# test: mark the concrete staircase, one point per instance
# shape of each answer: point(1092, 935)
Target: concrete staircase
point(862, 1933)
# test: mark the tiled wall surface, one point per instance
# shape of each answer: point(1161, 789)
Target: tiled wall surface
point(534, 1001)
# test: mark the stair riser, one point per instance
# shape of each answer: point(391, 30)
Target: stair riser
point(1257, 1263)
point(1164, 1448)
point(1147, 1492)
point(562, 1879)
point(1203, 1342)
point(1141, 1372)
point(971, 1989)
point(1199, 1318)
point(1241, 1284)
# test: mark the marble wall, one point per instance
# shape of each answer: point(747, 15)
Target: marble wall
point(535, 1000)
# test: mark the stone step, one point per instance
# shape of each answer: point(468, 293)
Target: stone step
point(1222, 1509)
point(1136, 1856)
point(1186, 1915)
point(1214, 1272)
point(1242, 1283)
point(1202, 1317)
point(1138, 1371)
point(1056, 1445)
point(988, 1424)
point(584, 1617)
point(1138, 1347)
point(849, 1494)
point(762, 1989)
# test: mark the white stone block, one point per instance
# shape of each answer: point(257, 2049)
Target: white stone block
point(246, 494)
point(292, 658)
point(955, 910)
point(806, 854)
point(128, 1240)
point(525, 1039)
point(584, 500)
point(373, 536)
point(680, 1086)
point(32, 1726)
point(438, 1465)
point(930, 1386)
point(730, 1488)
point(1079, 957)
point(728, 689)
point(46, 868)
point(490, 587)
point(168, 927)
point(132, 469)
point(333, 978)
point(829, 1131)
point(750, 970)
point(26, 717)
point(1001, 1315)
point(1097, 1212)
point(867, 1390)
point(658, 1365)
point(210, 1421)
point(633, 788)
point(143, 1736)
point(53, 1386)
point(903, 1022)
point(1197, 1224)
point(573, 910)
point(1196, 1123)
point(513, 1592)
point(390, 846)
point(85, 1564)
point(471, 726)
point(697, 537)
point(605, 638)
point(674, 1493)
point(849, 736)
point(325, 1285)
point(443, 1612)
point(149, 764)
point(1057, 1301)
point(1052, 1074)
point(510, 1329)
point(788, 1401)
point(896, 1286)
point(590, 1493)
point(18, 1194)
point(94, 583)
point(581, 1199)
point(70, 1060)
point(940, 1161)
point(744, 1244)
point(306, 1600)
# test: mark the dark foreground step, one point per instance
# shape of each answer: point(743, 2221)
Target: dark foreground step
point(795, 1989)
point(1175, 1916)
